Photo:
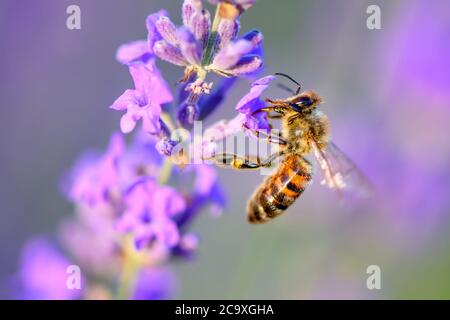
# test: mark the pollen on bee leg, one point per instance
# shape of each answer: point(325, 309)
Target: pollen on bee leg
point(237, 163)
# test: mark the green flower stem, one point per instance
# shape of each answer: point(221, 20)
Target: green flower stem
point(130, 270)
point(132, 260)
point(207, 56)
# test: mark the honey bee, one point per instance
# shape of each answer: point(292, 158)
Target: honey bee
point(305, 130)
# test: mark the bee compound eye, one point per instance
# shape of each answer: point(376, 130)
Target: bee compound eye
point(296, 107)
point(305, 102)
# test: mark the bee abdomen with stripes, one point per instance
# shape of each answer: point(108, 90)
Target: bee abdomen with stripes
point(280, 190)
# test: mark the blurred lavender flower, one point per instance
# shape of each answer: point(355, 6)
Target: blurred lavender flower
point(133, 207)
point(43, 274)
point(94, 176)
point(418, 66)
point(155, 284)
point(411, 152)
point(149, 210)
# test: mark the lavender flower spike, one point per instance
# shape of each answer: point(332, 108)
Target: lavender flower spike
point(199, 48)
point(43, 273)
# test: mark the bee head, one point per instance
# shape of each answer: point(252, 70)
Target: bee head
point(306, 101)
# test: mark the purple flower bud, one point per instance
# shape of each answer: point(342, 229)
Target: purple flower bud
point(247, 65)
point(187, 114)
point(227, 31)
point(169, 53)
point(200, 25)
point(132, 52)
point(189, 47)
point(229, 56)
point(167, 30)
point(165, 146)
point(190, 7)
point(153, 34)
point(256, 38)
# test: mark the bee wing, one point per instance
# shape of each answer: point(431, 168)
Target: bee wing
point(340, 172)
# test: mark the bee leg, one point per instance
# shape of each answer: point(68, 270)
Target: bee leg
point(276, 139)
point(274, 116)
point(237, 162)
point(268, 162)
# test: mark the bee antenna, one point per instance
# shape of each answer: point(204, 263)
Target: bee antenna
point(290, 78)
point(284, 87)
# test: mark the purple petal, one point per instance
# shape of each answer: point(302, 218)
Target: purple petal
point(227, 30)
point(169, 53)
point(189, 242)
point(168, 202)
point(166, 232)
point(205, 179)
point(187, 114)
point(155, 284)
point(263, 81)
point(149, 81)
point(153, 33)
point(128, 121)
point(133, 51)
point(167, 30)
point(43, 273)
point(143, 235)
point(223, 129)
point(150, 119)
point(228, 56)
point(189, 47)
point(256, 38)
point(116, 146)
point(248, 64)
point(250, 102)
point(127, 222)
point(95, 175)
point(218, 200)
point(258, 121)
point(127, 98)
